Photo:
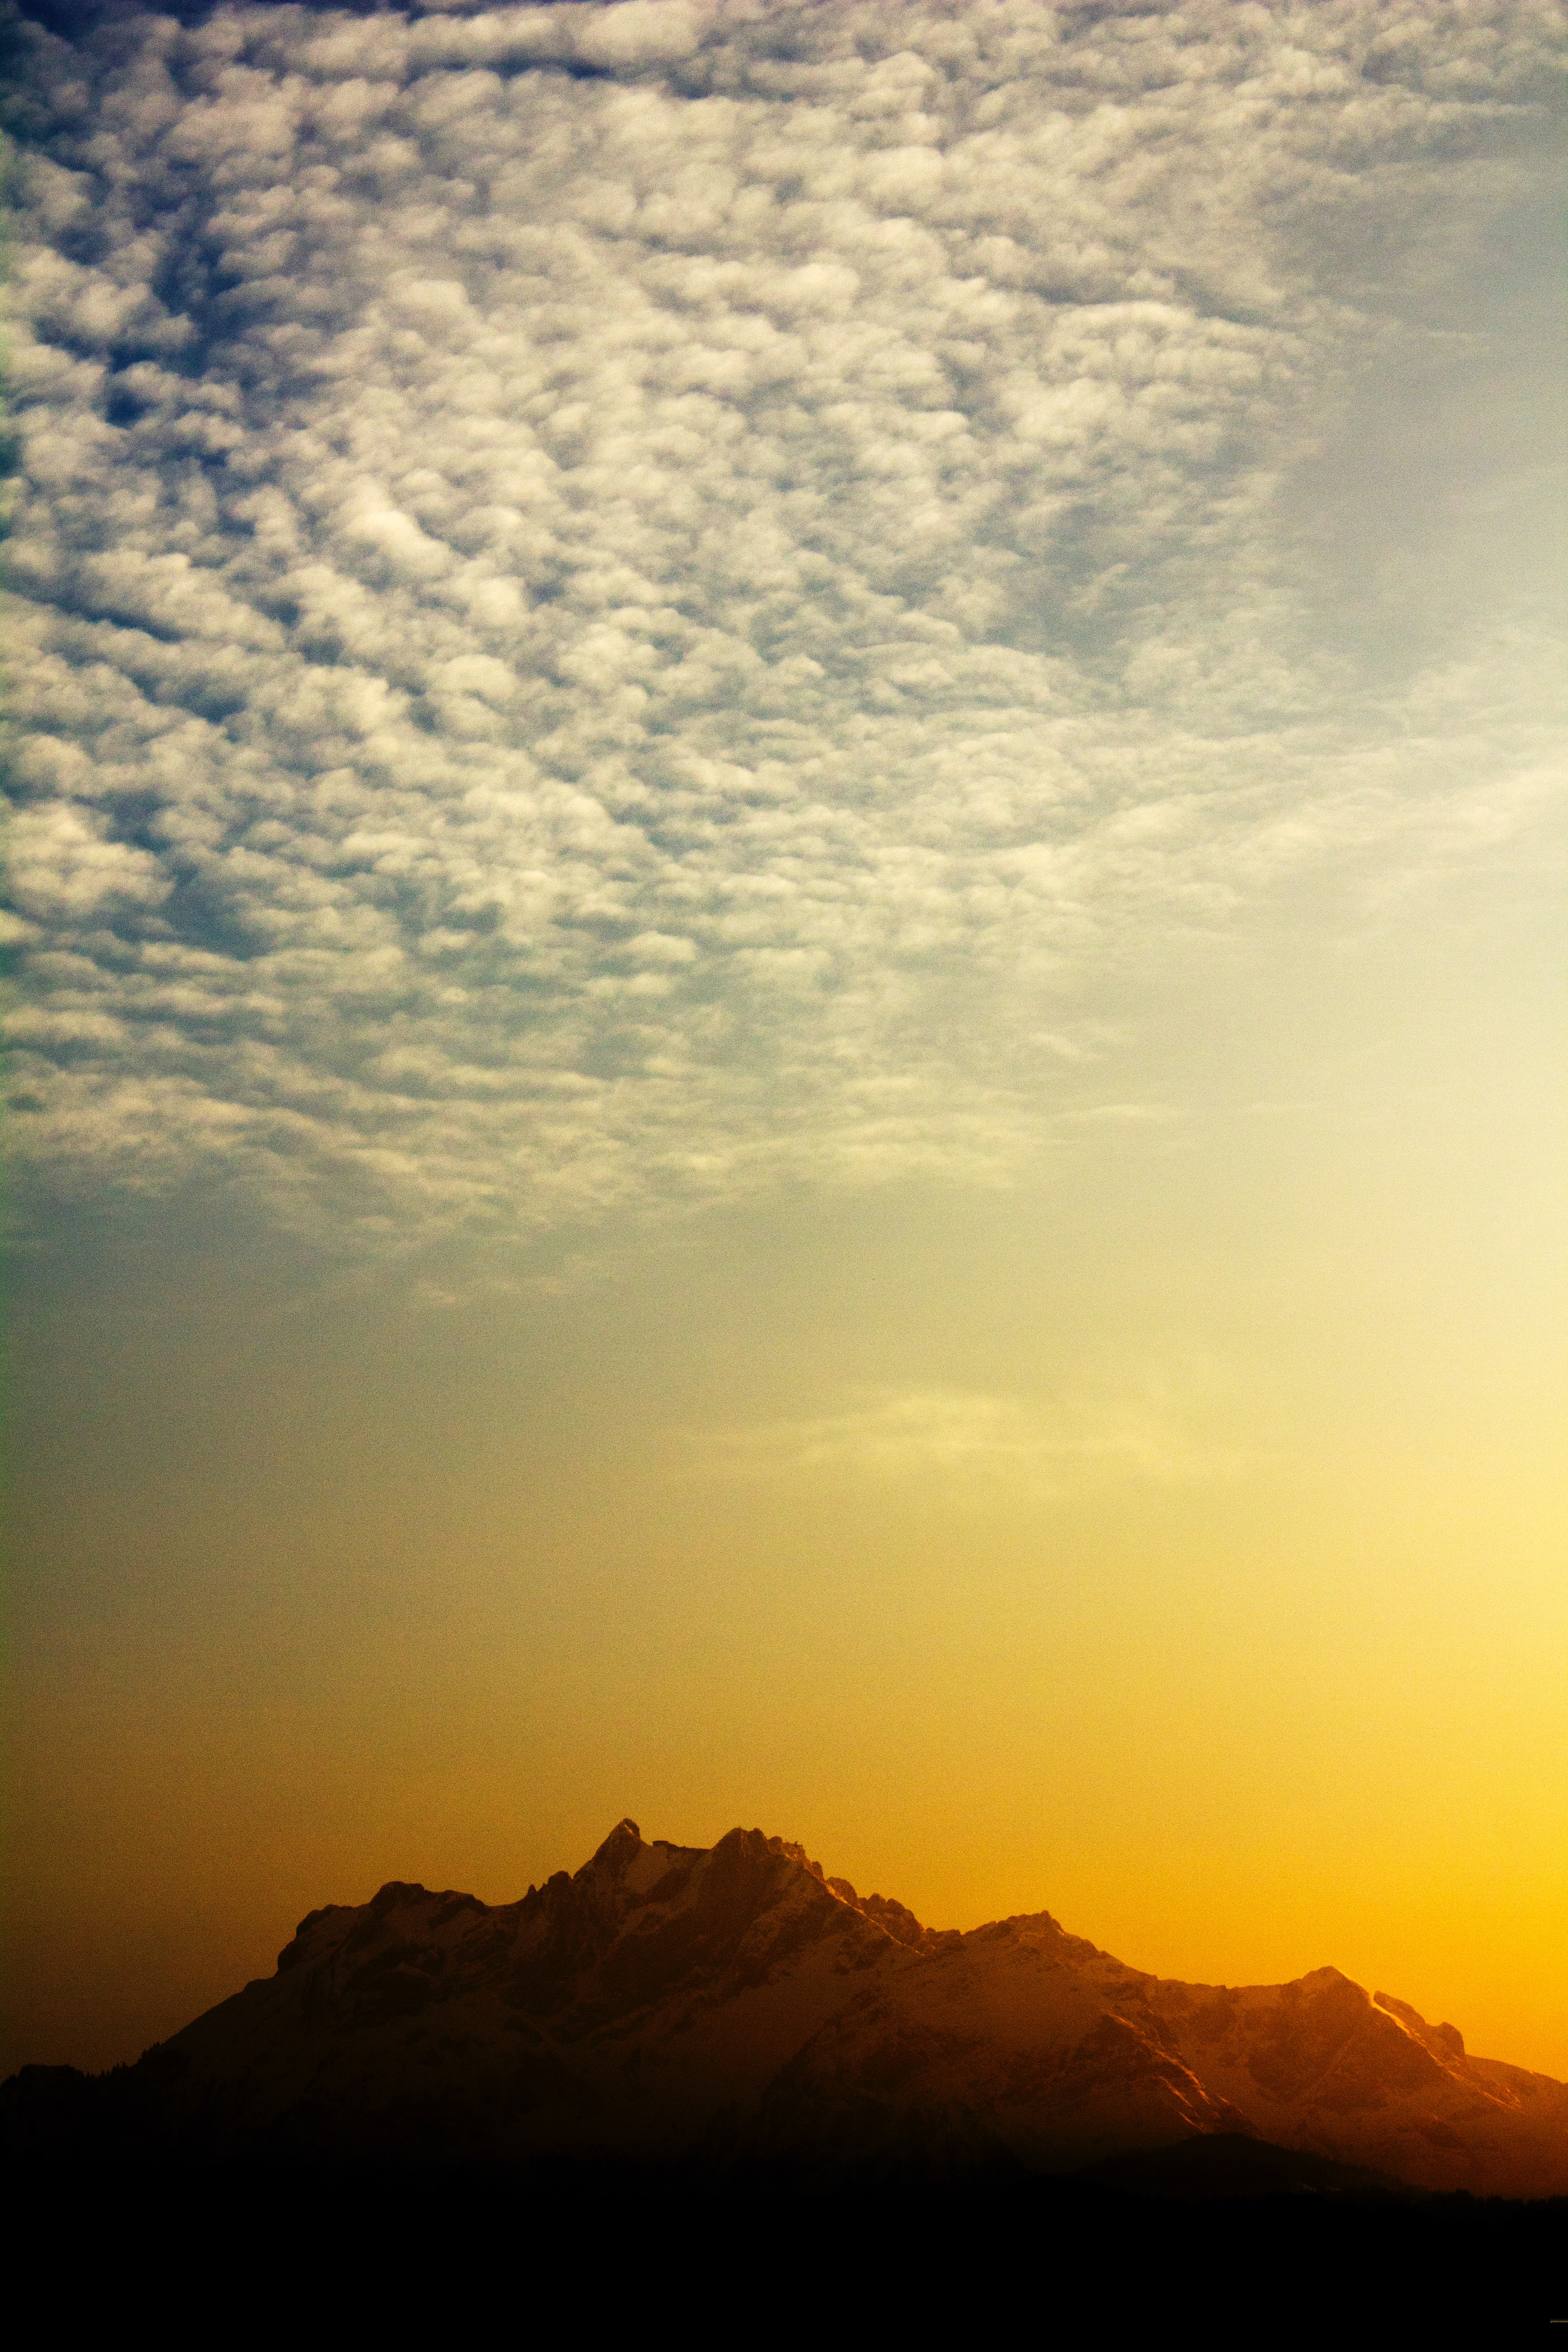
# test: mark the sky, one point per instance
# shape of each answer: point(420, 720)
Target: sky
point(789, 1042)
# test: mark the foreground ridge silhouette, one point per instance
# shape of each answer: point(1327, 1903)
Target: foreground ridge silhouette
point(733, 2012)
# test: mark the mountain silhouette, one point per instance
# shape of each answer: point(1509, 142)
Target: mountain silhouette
point(732, 2009)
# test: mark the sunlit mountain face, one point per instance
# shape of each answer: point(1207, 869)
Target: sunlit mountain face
point(785, 872)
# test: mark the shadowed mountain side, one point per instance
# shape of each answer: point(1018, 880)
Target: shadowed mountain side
point(732, 2010)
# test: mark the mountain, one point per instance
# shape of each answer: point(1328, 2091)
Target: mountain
point(733, 2008)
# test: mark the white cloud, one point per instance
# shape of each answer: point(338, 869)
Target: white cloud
point(61, 867)
point(639, 32)
point(590, 634)
point(1027, 1446)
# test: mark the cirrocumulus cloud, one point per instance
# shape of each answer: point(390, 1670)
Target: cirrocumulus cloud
point(606, 599)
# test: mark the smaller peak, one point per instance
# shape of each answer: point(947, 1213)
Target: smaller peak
point(1445, 2042)
point(396, 1891)
point(313, 1918)
point(623, 1840)
point(793, 1853)
point(741, 1841)
point(895, 1918)
point(294, 1951)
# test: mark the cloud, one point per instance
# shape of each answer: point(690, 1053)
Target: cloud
point(605, 596)
point(1034, 1447)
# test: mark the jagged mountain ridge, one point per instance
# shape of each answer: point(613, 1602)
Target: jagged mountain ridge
point(733, 2005)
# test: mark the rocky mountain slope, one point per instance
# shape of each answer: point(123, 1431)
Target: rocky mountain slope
point(732, 2007)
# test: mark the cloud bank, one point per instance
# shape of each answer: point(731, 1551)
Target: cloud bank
point(609, 603)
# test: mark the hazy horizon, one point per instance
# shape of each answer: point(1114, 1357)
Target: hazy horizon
point(787, 875)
